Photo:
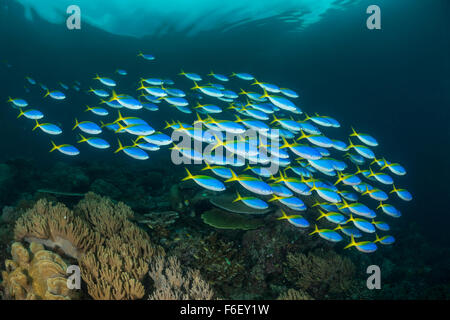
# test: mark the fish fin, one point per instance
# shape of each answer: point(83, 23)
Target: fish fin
point(234, 178)
point(47, 93)
point(120, 146)
point(196, 86)
point(353, 134)
point(54, 147)
point(238, 197)
point(284, 215)
point(83, 139)
point(21, 113)
point(189, 175)
point(322, 214)
point(352, 243)
point(76, 124)
point(316, 230)
point(377, 238)
point(36, 126)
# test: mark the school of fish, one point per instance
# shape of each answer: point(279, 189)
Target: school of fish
point(335, 179)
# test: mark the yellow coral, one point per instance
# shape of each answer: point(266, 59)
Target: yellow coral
point(35, 274)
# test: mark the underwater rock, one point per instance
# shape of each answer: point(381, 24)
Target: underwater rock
point(225, 202)
point(227, 220)
point(35, 274)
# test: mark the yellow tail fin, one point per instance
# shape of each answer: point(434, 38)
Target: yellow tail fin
point(55, 147)
point(189, 176)
point(352, 243)
point(76, 124)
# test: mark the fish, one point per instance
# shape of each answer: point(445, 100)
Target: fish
point(132, 151)
point(334, 217)
point(327, 234)
point(389, 209)
point(66, 149)
point(218, 76)
point(208, 90)
point(386, 240)
point(362, 246)
point(57, 95)
point(97, 111)
point(95, 142)
point(296, 220)
point(48, 128)
point(206, 182)
point(31, 114)
point(361, 224)
point(87, 127)
point(402, 193)
point(364, 138)
point(18, 102)
point(252, 184)
point(243, 76)
point(146, 56)
point(191, 76)
point(291, 202)
point(252, 202)
point(99, 92)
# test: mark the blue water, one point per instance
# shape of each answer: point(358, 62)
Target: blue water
point(393, 83)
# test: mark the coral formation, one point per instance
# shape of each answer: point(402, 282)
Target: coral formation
point(292, 294)
point(113, 253)
point(322, 273)
point(35, 274)
point(227, 220)
point(54, 225)
point(219, 261)
point(171, 283)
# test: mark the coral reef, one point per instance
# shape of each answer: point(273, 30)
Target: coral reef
point(35, 274)
point(226, 220)
point(219, 261)
point(171, 283)
point(292, 294)
point(113, 253)
point(54, 225)
point(322, 274)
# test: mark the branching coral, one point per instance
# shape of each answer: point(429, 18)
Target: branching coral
point(171, 283)
point(112, 252)
point(115, 268)
point(322, 274)
point(35, 274)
